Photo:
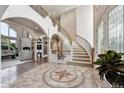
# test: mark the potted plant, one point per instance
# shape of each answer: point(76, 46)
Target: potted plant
point(110, 65)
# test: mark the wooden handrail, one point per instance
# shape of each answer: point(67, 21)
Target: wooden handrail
point(84, 39)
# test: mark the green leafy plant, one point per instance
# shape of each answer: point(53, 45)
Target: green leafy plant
point(109, 62)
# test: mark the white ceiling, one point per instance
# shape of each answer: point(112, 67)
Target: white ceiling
point(28, 23)
point(56, 10)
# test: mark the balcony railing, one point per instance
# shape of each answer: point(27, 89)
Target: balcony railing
point(44, 13)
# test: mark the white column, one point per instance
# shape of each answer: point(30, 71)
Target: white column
point(35, 49)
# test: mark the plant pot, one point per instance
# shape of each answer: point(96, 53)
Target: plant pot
point(110, 79)
point(107, 81)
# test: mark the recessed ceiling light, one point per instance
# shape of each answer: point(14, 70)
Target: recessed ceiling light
point(54, 13)
point(36, 27)
point(66, 9)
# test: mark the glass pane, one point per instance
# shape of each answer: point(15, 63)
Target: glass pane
point(116, 29)
point(4, 47)
point(4, 29)
point(12, 33)
point(13, 41)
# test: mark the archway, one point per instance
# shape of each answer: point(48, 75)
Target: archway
point(57, 46)
point(35, 28)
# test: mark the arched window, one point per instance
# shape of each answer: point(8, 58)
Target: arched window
point(8, 35)
point(4, 28)
point(12, 33)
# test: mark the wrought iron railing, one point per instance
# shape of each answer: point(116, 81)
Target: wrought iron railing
point(44, 13)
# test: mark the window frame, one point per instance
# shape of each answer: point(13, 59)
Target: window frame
point(107, 25)
point(105, 19)
point(8, 32)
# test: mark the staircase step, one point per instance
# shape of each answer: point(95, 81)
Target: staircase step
point(80, 59)
point(74, 54)
point(78, 49)
point(80, 56)
point(80, 63)
point(75, 46)
point(79, 53)
point(83, 58)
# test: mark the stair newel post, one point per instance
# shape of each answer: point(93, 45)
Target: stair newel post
point(93, 49)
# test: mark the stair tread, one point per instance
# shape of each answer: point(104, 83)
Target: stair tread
point(80, 51)
point(80, 62)
point(80, 58)
point(81, 55)
point(78, 48)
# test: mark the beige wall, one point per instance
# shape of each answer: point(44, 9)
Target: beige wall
point(68, 21)
point(85, 22)
point(2, 9)
point(79, 21)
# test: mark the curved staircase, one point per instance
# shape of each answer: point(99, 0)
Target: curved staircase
point(79, 55)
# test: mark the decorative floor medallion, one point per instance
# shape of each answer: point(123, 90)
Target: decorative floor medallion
point(63, 77)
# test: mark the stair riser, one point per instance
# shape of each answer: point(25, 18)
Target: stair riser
point(79, 53)
point(81, 60)
point(80, 64)
point(78, 48)
point(80, 56)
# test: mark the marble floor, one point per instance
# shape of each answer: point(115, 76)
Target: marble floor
point(11, 73)
point(6, 63)
point(50, 75)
